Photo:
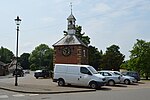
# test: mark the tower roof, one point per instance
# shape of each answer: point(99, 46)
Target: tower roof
point(70, 39)
point(71, 17)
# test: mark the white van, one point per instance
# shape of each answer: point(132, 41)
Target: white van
point(82, 75)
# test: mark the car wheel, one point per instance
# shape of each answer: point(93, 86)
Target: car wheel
point(93, 85)
point(21, 75)
point(127, 81)
point(36, 77)
point(111, 82)
point(61, 82)
point(45, 76)
point(136, 81)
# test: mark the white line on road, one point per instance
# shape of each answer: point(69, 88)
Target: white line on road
point(18, 95)
point(3, 96)
point(33, 94)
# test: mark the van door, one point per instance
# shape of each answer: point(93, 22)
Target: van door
point(72, 75)
point(84, 77)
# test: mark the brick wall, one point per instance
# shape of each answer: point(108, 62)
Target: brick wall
point(79, 55)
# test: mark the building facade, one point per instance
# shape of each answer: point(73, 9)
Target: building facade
point(3, 69)
point(70, 49)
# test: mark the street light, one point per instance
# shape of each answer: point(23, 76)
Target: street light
point(17, 21)
point(42, 52)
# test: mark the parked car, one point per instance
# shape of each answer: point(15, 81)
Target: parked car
point(41, 73)
point(111, 78)
point(18, 72)
point(134, 74)
point(27, 71)
point(125, 79)
point(81, 75)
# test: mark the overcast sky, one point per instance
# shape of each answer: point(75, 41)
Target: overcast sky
point(106, 22)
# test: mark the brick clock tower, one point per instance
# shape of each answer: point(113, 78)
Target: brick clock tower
point(70, 49)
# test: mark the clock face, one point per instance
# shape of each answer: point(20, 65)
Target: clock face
point(66, 51)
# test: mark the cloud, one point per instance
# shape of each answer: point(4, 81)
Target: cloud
point(102, 8)
point(120, 8)
point(48, 19)
point(106, 22)
point(26, 47)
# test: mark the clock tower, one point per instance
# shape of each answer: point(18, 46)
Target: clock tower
point(70, 49)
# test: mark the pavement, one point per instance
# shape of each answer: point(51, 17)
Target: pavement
point(29, 84)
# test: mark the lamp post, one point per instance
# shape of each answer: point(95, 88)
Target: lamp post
point(17, 21)
point(42, 52)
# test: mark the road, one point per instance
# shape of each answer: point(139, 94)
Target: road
point(139, 91)
point(128, 94)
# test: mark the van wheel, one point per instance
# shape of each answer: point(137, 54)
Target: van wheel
point(61, 82)
point(111, 82)
point(127, 82)
point(93, 85)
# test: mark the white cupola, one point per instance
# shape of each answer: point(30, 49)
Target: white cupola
point(71, 23)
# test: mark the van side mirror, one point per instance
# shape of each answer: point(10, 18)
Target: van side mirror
point(89, 73)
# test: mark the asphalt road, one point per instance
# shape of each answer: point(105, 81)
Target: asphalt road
point(128, 94)
point(139, 91)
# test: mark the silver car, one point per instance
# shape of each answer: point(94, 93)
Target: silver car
point(111, 78)
point(125, 79)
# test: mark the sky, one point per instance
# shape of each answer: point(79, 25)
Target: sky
point(106, 22)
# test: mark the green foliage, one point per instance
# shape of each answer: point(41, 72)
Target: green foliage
point(112, 59)
point(84, 39)
point(94, 57)
point(33, 67)
point(6, 55)
point(140, 58)
point(41, 57)
point(24, 60)
point(124, 65)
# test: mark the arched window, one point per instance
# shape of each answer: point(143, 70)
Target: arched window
point(70, 22)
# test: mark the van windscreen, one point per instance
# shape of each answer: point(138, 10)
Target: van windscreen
point(92, 70)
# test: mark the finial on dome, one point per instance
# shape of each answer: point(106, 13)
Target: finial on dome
point(71, 6)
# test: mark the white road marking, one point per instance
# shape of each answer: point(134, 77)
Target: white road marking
point(18, 95)
point(33, 94)
point(3, 96)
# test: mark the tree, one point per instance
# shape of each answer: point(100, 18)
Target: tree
point(24, 60)
point(124, 65)
point(81, 36)
point(94, 57)
point(41, 57)
point(6, 55)
point(140, 57)
point(112, 59)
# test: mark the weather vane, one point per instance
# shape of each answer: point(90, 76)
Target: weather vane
point(71, 6)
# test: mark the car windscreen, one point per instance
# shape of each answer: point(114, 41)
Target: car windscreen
point(92, 70)
point(134, 74)
point(117, 73)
